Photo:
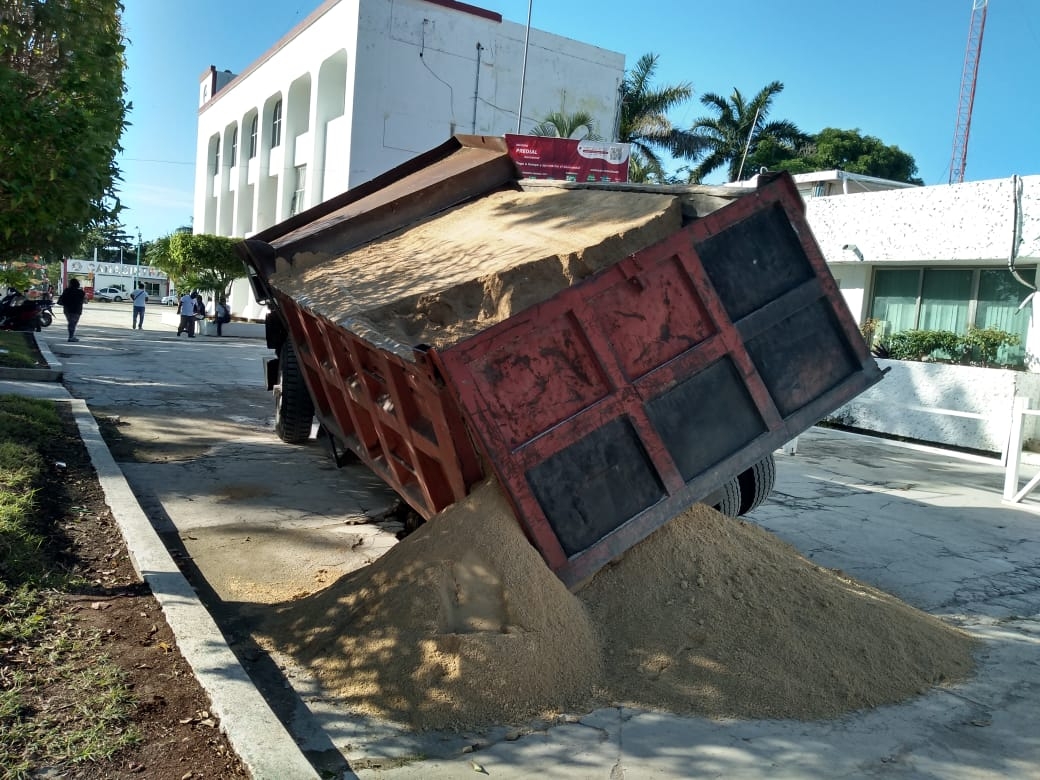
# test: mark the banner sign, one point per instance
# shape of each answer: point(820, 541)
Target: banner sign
point(546, 157)
point(114, 269)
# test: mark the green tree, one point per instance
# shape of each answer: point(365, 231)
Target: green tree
point(578, 125)
point(645, 124)
point(203, 261)
point(64, 110)
point(725, 135)
point(848, 150)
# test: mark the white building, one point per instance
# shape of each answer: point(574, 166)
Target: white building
point(363, 85)
point(937, 258)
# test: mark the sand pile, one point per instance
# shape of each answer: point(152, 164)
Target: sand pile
point(459, 624)
point(470, 267)
point(462, 625)
point(717, 617)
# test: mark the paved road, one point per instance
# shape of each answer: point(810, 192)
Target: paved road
point(262, 521)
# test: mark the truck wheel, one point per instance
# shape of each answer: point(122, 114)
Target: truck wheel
point(729, 502)
point(293, 408)
point(756, 484)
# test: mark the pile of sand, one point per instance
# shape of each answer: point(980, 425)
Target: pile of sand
point(463, 625)
point(472, 266)
point(459, 624)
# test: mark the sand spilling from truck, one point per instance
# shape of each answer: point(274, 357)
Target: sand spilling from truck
point(462, 625)
point(477, 264)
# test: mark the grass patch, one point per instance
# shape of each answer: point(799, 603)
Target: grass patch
point(61, 701)
point(16, 351)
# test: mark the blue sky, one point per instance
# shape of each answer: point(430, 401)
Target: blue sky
point(891, 70)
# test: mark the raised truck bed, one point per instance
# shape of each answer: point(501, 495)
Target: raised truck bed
point(611, 353)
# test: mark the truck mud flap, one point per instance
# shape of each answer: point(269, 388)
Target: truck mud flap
point(623, 400)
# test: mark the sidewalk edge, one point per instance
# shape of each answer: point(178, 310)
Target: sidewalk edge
point(258, 737)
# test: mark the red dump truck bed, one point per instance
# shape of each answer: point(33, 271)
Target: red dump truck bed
point(611, 353)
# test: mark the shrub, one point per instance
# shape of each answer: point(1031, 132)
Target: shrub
point(981, 346)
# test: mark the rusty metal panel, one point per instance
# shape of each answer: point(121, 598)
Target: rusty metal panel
point(395, 415)
point(619, 402)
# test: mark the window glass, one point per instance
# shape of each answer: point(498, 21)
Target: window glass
point(252, 136)
point(895, 301)
point(945, 295)
point(233, 156)
point(276, 125)
point(1000, 295)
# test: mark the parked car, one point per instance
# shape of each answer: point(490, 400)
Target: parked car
point(110, 294)
point(170, 300)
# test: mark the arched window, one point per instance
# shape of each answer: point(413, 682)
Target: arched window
point(233, 155)
point(252, 135)
point(276, 125)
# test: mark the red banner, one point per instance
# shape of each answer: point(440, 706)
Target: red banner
point(546, 157)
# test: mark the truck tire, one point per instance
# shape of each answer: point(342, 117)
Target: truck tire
point(756, 484)
point(729, 502)
point(293, 408)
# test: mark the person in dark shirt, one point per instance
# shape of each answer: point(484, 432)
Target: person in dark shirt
point(71, 300)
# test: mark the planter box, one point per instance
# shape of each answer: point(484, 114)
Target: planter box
point(956, 406)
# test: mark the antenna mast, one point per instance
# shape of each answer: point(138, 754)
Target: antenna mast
point(969, 76)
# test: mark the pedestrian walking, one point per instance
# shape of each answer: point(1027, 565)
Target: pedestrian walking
point(221, 315)
point(140, 298)
point(71, 300)
point(187, 312)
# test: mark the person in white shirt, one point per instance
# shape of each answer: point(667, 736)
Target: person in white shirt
point(187, 311)
point(140, 298)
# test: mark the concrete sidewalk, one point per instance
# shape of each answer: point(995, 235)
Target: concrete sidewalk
point(261, 521)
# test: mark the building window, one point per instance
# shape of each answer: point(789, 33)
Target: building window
point(276, 125)
point(252, 135)
point(298, 193)
point(953, 299)
point(216, 158)
point(233, 156)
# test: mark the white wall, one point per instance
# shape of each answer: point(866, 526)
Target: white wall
point(408, 74)
point(421, 78)
point(967, 223)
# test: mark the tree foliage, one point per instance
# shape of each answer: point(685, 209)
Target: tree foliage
point(202, 261)
point(847, 150)
point(735, 120)
point(63, 112)
point(580, 125)
point(645, 124)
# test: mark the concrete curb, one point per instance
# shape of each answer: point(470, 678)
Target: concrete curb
point(52, 373)
point(52, 361)
point(258, 737)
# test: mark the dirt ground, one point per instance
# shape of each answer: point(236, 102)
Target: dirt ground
point(181, 738)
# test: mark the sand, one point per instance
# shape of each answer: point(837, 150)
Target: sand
point(462, 625)
point(462, 271)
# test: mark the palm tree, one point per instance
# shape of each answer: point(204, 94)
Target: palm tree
point(726, 135)
point(644, 121)
point(578, 125)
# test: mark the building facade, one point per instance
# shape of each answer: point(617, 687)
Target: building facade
point(363, 85)
point(945, 257)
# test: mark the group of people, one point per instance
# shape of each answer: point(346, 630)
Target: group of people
point(191, 309)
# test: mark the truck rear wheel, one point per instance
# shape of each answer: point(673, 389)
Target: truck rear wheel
point(756, 483)
point(729, 501)
point(293, 408)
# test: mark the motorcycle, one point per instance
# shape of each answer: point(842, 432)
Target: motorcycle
point(46, 312)
point(23, 316)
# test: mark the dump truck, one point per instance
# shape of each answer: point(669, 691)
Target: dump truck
point(610, 353)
